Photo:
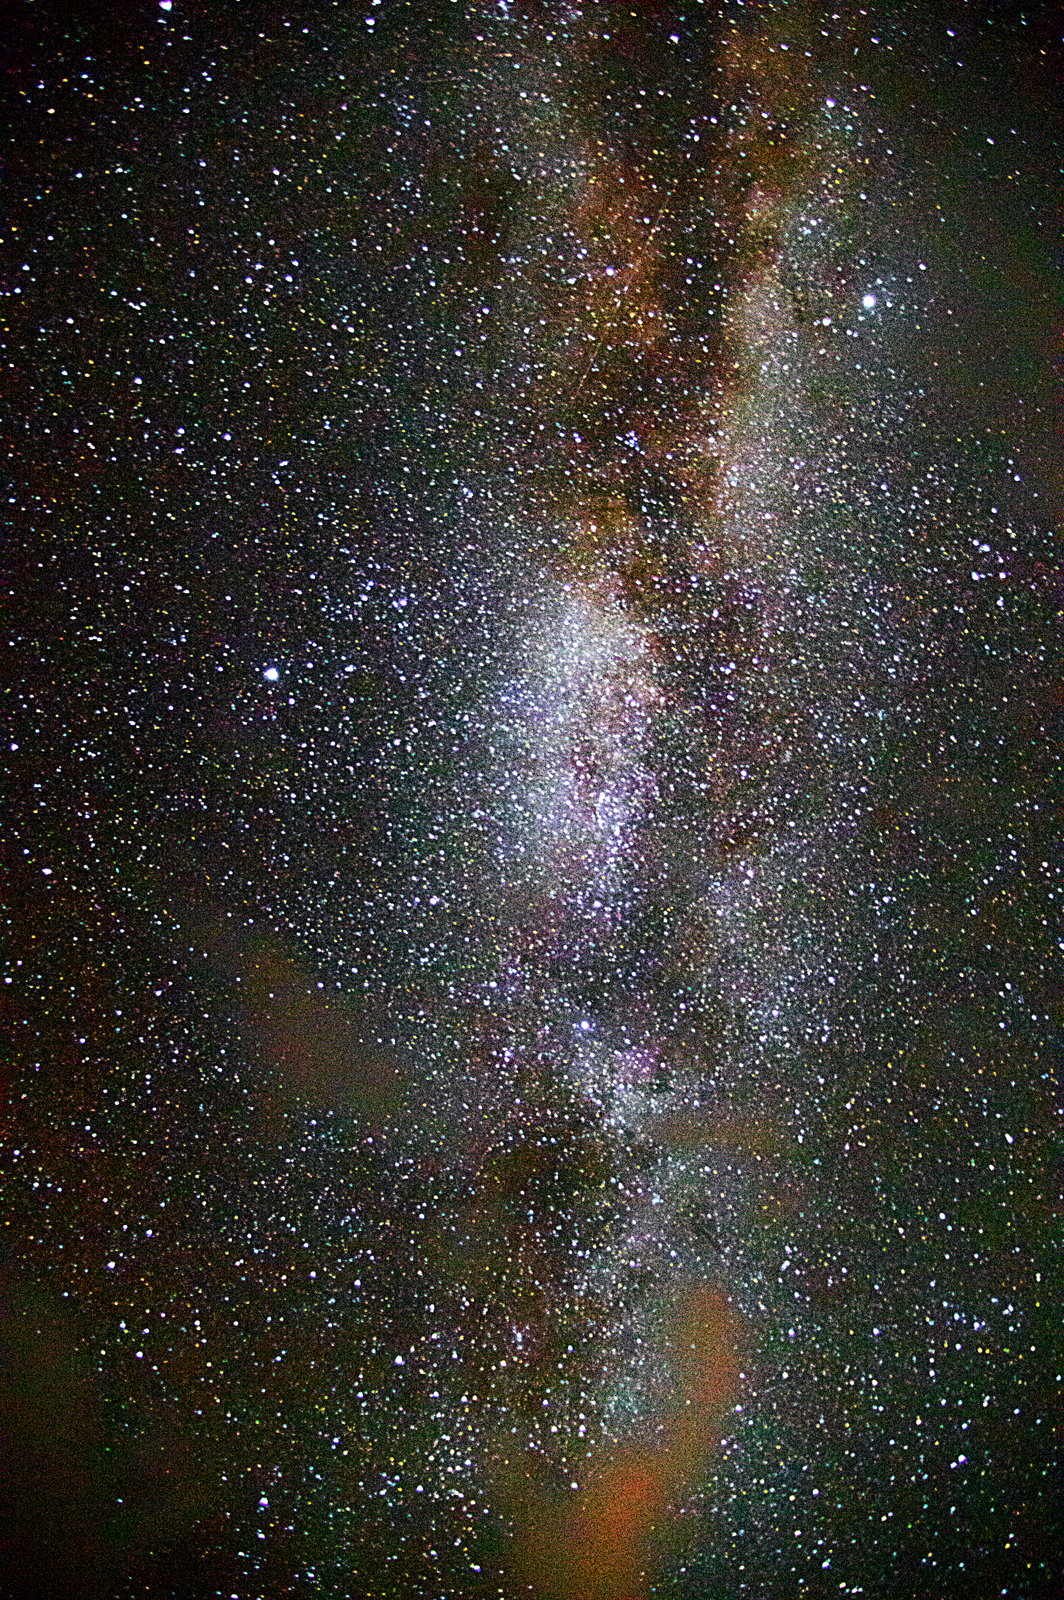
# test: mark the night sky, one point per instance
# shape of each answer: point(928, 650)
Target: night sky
point(533, 711)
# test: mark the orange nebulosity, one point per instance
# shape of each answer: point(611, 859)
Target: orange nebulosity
point(327, 1052)
point(606, 1542)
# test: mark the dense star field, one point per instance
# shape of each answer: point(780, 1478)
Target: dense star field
point(534, 699)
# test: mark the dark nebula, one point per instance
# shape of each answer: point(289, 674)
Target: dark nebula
point(533, 879)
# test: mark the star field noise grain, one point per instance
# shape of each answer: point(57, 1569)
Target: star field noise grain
point(534, 683)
